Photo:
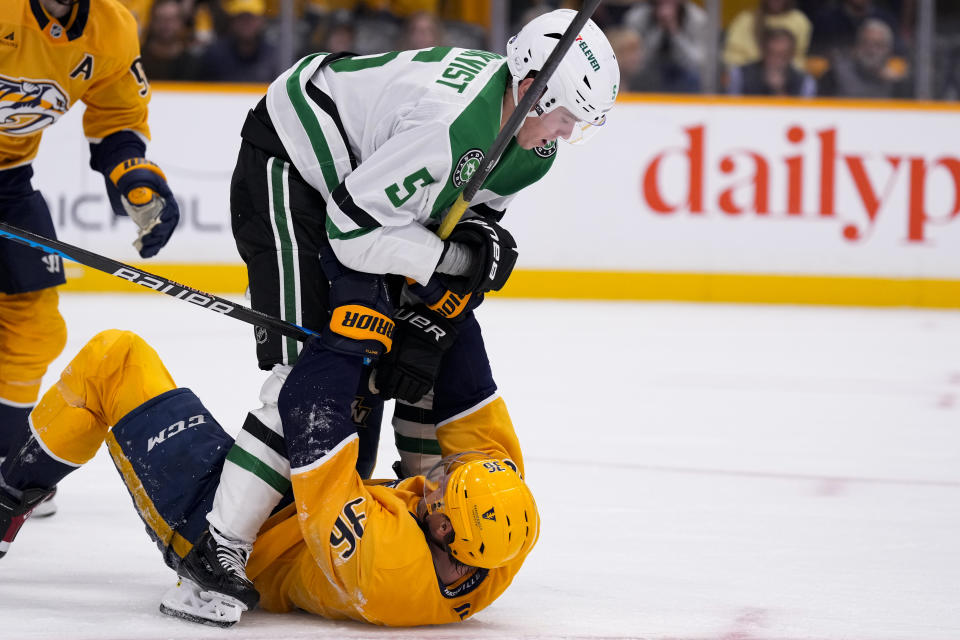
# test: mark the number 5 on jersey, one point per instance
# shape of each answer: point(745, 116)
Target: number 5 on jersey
point(411, 183)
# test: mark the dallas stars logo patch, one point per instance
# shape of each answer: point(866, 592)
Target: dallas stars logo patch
point(546, 150)
point(466, 167)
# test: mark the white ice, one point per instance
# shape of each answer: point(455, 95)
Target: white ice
point(703, 472)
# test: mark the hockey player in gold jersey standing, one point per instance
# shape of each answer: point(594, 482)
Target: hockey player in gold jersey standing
point(52, 54)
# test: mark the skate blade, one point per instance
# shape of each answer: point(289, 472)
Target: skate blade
point(183, 615)
point(188, 601)
point(45, 509)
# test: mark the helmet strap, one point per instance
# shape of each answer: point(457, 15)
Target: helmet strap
point(533, 113)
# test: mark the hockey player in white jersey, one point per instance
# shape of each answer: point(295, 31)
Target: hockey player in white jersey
point(346, 168)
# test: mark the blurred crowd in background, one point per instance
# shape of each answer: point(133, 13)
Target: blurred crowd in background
point(842, 48)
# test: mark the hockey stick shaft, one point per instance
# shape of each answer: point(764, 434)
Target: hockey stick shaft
point(153, 281)
point(516, 119)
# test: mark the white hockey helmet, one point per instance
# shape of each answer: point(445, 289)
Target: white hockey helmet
point(585, 82)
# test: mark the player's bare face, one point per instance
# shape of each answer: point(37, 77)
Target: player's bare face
point(439, 530)
point(542, 130)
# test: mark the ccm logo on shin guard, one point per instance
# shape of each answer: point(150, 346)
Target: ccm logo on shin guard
point(173, 430)
point(362, 323)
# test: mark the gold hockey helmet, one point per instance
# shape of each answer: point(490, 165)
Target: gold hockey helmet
point(493, 514)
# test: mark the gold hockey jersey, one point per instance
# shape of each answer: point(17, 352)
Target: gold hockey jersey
point(46, 65)
point(356, 551)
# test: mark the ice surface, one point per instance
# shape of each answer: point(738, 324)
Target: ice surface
point(702, 471)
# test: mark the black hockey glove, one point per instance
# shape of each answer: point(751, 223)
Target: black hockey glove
point(495, 253)
point(420, 339)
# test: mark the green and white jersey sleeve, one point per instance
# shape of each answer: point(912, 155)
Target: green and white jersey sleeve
point(390, 140)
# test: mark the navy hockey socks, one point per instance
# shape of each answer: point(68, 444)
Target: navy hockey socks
point(29, 466)
point(315, 402)
point(13, 424)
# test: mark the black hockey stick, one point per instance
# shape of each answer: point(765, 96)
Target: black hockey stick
point(153, 281)
point(516, 119)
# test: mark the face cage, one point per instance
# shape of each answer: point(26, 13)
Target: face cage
point(437, 477)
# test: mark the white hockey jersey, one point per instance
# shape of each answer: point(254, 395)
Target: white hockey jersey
point(390, 140)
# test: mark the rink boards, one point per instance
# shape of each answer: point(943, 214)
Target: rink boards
point(704, 199)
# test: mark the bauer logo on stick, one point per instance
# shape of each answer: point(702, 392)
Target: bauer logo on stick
point(173, 289)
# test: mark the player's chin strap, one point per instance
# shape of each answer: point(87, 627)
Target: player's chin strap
point(537, 110)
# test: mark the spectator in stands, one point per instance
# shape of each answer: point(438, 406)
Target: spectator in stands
point(421, 30)
point(628, 47)
point(341, 34)
point(835, 27)
point(141, 11)
point(520, 9)
point(948, 76)
point(774, 74)
point(745, 33)
point(672, 33)
point(243, 54)
point(332, 32)
point(610, 14)
point(165, 53)
point(375, 31)
point(867, 73)
point(207, 16)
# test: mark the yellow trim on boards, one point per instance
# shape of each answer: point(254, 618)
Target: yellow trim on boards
point(231, 279)
point(737, 288)
point(642, 98)
point(209, 87)
point(787, 102)
point(212, 278)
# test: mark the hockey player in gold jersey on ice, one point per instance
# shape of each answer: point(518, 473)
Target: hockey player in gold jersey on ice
point(405, 552)
point(54, 53)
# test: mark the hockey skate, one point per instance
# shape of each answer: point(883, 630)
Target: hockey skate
point(46, 508)
point(15, 511)
point(213, 587)
point(189, 601)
